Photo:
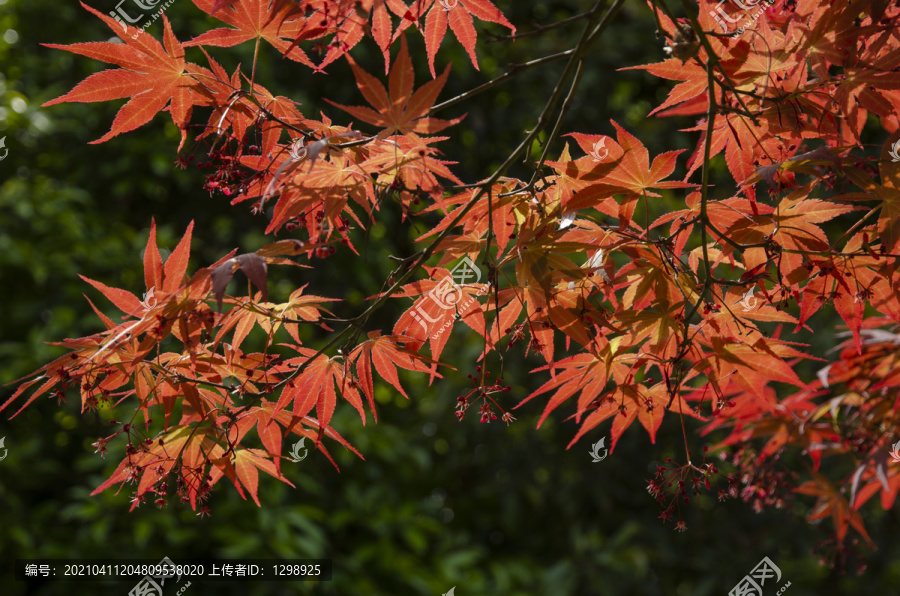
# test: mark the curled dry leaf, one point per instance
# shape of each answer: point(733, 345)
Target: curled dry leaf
point(253, 266)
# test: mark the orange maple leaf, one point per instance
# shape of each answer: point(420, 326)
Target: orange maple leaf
point(253, 19)
point(458, 14)
point(400, 110)
point(831, 502)
point(152, 75)
point(385, 353)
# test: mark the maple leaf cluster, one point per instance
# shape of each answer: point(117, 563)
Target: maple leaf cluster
point(635, 320)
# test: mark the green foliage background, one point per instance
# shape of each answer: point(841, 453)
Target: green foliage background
point(436, 503)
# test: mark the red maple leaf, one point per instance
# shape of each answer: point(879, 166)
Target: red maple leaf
point(151, 75)
point(385, 353)
point(253, 19)
point(400, 109)
point(458, 14)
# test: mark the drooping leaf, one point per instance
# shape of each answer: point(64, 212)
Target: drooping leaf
point(253, 266)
